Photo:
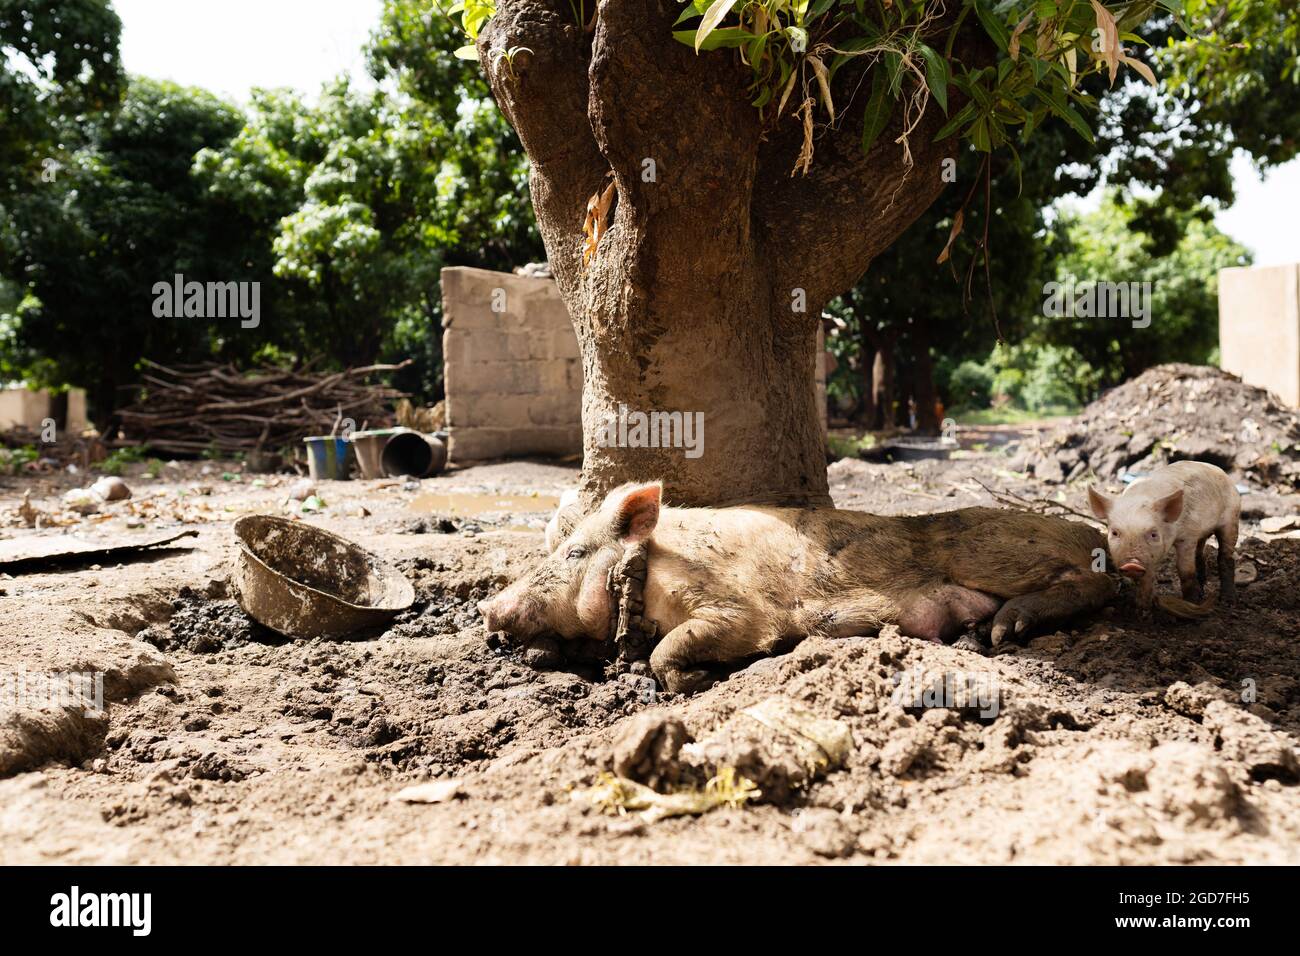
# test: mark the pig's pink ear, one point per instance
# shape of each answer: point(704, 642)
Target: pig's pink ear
point(635, 511)
point(1099, 503)
point(1170, 506)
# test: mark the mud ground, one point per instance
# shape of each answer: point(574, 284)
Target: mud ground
point(1115, 741)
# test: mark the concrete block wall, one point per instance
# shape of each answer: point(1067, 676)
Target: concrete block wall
point(29, 407)
point(511, 366)
point(512, 370)
point(1259, 327)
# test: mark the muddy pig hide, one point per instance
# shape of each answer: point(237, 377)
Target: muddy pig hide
point(724, 584)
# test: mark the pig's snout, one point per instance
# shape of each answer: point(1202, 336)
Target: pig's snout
point(1132, 569)
point(514, 614)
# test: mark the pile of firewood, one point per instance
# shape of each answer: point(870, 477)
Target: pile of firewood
point(192, 409)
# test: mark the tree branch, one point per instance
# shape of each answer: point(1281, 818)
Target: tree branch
point(543, 92)
point(822, 230)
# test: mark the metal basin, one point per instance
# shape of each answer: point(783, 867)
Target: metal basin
point(304, 582)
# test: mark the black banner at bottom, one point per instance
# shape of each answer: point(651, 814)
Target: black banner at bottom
point(301, 905)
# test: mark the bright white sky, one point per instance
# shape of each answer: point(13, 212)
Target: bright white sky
point(231, 46)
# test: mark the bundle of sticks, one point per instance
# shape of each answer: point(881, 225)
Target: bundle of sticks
point(191, 409)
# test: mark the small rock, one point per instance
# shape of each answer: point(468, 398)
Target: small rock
point(647, 750)
point(1278, 524)
point(435, 791)
point(111, 488)
point(82, 501)
point(542, 653)
point(301, 490)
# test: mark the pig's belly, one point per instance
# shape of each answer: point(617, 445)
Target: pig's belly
point(945, 612)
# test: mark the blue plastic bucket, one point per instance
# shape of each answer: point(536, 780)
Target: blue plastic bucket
point(328, 457)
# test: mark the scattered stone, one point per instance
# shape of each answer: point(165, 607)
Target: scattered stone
point(1279, 524)
point(82, 500)
point(301, 490)
point(435, 791)
point(111, 488)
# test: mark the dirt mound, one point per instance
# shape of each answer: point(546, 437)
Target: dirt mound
point(1172, 413)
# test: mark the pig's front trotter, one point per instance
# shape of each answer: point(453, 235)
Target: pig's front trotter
point(676, 659)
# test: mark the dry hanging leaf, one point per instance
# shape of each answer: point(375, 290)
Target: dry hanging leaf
point(1013, 46)
point(823, 83)
point(1141, 67)
point(953, 233)
point(1110, 39)
point(785, 94)
point(595, 225)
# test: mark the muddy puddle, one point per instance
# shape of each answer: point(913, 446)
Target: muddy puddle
point(474, 504)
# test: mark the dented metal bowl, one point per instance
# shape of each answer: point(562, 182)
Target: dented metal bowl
point(304, 582)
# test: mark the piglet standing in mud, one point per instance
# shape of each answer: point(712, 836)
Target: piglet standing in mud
point(726, 584)
point(1177, 509)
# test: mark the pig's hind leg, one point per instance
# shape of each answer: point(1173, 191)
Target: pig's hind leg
point(1074, 593)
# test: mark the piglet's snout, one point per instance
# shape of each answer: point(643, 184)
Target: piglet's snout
point(1132, 569)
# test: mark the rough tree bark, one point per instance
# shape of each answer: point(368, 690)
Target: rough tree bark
point(691, 302)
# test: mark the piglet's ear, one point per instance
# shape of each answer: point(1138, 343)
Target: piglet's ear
point(1099, 503)
point(1170, 506)
point(634, 510)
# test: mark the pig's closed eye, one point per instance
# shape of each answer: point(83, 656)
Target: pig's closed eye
point(577, 552)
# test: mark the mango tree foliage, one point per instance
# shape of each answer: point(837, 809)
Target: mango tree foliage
point(1184, 316)
point(122, 214)
point(1024, 67)
point(58, 58)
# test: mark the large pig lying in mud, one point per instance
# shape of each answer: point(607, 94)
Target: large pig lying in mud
point(725, 584)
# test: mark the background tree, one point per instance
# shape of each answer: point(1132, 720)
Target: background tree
point(123, 215)
point(1166, 149)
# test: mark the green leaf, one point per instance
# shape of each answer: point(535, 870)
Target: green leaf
point(712, 17)
point(467, 52)
point(879, 109)
point(1066, 112)
point(964, 115)
point(936, 76)
point(992, 25)
point(726, 37)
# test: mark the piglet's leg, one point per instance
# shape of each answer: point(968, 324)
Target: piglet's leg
point(1201, 573)
point(1227, 538)
point(1185, 555)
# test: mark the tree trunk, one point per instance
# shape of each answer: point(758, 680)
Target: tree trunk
point(923, 390)
point(702, 296)
point(882, 383)
point(869, 410)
